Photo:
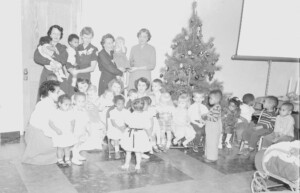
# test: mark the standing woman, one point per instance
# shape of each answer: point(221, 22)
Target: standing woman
point(142, 58)
point(86, 55)
point(61, 56)
point(107, 66)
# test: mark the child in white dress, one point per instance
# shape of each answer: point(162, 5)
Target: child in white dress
point(135, 138)
point(62, 122)
point(80, 130)
point(181, 122)
point(47, 50)
point(116, 126)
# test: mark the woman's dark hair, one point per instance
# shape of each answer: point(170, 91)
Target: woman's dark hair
point(144, 30)
point(106, 36)
point(47, 86)
point(147, 100)
point(117, 98)
point(63, 98)
point(45, 40)
point(73, 36)
point(142, 79)
point(138, 104)
point(59, 29)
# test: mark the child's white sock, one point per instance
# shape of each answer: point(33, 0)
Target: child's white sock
point(117, 148)
point(220, 146)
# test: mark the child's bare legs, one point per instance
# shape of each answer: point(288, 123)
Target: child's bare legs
point(169, 138)
point(138, 156)
point(77, 158)
point(60, 155)
point(117, 149)
point(74, 81)
point(127, 161)
point(67, 151)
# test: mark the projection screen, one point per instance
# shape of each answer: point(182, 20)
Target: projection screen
point(270, 29)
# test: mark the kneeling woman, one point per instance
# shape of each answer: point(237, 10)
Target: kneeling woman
point(38, 137)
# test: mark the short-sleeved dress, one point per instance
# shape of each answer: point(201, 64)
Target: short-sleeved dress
point(62, 120)
point(119, 118)
point(135, 137)
point(84, 57)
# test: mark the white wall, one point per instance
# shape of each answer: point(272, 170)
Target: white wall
point(165, 18)
point(11, 79)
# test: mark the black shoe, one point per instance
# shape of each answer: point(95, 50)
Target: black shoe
point(61, 164)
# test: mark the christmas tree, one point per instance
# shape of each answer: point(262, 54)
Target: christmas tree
point(192, 64)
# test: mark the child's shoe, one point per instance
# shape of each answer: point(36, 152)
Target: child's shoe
point(68, 163)
point(61, 163)
point(195, 148)
point(145, 156)
point(228, 145)
point(174, 141)
point(156, 149)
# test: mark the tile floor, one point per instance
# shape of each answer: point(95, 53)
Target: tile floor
point(174, 171)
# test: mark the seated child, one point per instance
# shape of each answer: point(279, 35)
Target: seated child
point(80, 129)
point(121, 59)
point(106, 101)
point(156, 90)
point(73, 41)
point(62, 122)
point(116, 86)
point(117, 126)
point(82, 85)
point(247, 111)
point(131, 96)
point(47, 50)
point(181, 123)
point(196, 110)
point(229, 120)
point(264, 126)
point(284, 126)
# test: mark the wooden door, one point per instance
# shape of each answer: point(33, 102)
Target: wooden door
point(37, 17)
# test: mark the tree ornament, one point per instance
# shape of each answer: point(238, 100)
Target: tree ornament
point(181, 65)
point(186, 37)
point(161, 75)
point(182, 56)
point(192, 57)
point(189, 52)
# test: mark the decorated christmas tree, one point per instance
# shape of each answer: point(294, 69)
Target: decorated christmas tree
point(193, 62)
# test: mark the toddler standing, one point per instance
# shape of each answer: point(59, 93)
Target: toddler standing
point(213, 126)
point(80, 129)
point(156, 90)
point(116, 126)
point(195, 111)
point(62, 122)
point(165, 109)
point(135, 138)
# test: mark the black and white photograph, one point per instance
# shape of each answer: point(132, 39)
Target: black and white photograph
point(150, 96)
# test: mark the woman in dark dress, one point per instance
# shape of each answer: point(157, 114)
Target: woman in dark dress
point(56, 33)
point(107, 66)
